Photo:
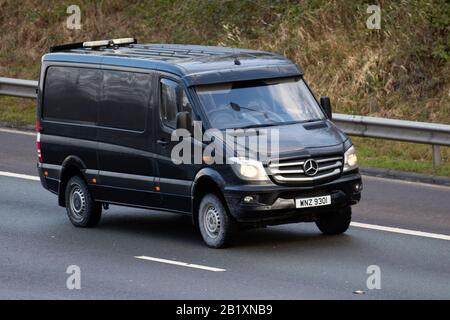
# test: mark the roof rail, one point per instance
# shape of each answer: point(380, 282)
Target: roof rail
point(94, 44)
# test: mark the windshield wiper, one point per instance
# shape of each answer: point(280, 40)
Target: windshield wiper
point(269, 124)
point(273, 124)
point(260, 125)
point(237, 107)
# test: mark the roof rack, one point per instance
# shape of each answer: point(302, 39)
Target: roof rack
point(94, 44)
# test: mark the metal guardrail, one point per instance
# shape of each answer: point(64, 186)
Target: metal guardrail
point(433, 134)
point(18, 88)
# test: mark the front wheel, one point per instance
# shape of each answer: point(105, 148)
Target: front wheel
point(82, 210)
point(216, 226)
point(335, 222)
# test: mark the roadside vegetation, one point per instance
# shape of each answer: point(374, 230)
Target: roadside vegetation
point(400, 71)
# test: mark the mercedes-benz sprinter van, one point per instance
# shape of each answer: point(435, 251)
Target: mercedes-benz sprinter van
point(121, 123)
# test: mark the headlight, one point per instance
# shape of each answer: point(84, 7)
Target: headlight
point(248, 169)
point(350, 159)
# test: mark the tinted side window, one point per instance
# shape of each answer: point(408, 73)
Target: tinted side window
point(168, 107)
point(125, 100)
point(71, 94)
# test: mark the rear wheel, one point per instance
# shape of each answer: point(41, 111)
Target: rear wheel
point(81, 209)
point(216, 226)
point(335, 222)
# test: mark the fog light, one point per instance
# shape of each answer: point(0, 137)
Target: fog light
point(249, 199)
point(358, 187)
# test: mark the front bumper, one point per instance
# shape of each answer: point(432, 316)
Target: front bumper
point(275, 204)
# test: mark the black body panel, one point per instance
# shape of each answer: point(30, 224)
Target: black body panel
point(125, 151)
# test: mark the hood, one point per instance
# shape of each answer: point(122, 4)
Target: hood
point(293, 139)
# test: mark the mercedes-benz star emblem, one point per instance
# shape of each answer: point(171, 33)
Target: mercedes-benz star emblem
point(310, 167)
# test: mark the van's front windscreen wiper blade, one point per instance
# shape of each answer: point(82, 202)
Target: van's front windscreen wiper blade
point(273, 124)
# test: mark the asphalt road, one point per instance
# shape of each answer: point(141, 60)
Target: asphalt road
point(37, 244)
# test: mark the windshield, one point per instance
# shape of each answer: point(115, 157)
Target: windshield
point(258, 103)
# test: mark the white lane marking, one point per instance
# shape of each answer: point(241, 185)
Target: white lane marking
point(179, 263)
point(414, 183)
point(401, 231)
point(19, 175)
point(26, 133)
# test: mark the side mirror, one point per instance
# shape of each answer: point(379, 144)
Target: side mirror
point(184, 120)
point(326, 106)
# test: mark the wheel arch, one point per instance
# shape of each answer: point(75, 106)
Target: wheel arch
point(71, 166)
point(206, 181)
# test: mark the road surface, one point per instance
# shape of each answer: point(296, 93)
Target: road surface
point(38, 244)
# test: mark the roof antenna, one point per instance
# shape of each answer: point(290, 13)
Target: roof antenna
point(236, 59)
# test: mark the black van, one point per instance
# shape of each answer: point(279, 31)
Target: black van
point(107, 122)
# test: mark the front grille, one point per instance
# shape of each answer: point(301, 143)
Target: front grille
point(292, 170)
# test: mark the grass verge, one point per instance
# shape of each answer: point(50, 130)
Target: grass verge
point(17, 112)
point(403, 156)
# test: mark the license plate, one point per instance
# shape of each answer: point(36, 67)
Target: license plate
point(312, 202)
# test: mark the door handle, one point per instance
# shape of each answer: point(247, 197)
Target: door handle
point(162, 142)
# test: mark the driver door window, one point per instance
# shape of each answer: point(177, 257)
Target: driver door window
point(168, 107)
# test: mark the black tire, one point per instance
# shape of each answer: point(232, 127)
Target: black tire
point(216, 226)
point(335, 222)
point(81, 209)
